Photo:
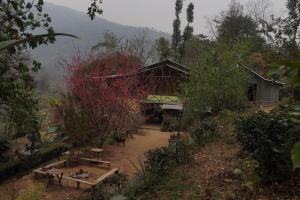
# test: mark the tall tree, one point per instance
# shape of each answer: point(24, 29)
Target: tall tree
point(140, 45)
point(235, 24)
point(188, 31)
point(103, 92)
point(110, 43)
point(217, 81)
point(176, 37)
point(18, 106)
point(163, 47)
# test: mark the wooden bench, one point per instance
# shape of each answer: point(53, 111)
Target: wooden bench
point(105, 176)
point(79, 181)
point(99, 180)
point(97, 161)
point(47, 167)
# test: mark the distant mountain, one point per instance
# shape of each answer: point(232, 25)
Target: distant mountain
point(66, 20)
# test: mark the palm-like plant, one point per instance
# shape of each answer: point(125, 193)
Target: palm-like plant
point(4, 45)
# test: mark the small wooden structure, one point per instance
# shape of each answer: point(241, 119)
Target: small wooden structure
point(167, 78)
point(56, 170)
point(95, 153)
point(263, 91)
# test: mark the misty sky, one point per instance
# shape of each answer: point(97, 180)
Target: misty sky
point(159, 14)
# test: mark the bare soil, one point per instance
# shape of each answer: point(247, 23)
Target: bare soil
point(211, 177)
point(120, 157)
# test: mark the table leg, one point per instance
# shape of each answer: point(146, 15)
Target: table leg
point(60, 180)
point(50, 180)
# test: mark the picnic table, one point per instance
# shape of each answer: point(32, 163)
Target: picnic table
point(95, 153)
point(52, 173)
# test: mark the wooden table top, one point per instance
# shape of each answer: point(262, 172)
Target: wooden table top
point(96, 150)
point(54, 171)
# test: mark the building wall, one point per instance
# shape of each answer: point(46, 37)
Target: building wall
point(267, 92)
point(166, 81)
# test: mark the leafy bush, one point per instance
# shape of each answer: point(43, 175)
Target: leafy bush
point(159, 161)
point(108, 187)
point(246, 171)
point(296, 155)
point(4, 146)
point(269, 138)
point(19, 166)
point(204, 131)
point(179, 151)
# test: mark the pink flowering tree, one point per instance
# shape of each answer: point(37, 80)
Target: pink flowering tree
point(104, 92)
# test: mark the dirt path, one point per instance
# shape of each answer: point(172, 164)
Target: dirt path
point(120, 157)
point(213, 170)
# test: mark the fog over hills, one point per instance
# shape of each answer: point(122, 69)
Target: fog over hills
point(66, 20)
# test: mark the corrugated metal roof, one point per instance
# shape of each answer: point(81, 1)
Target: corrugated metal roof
point(171, 107)
point(263, 78)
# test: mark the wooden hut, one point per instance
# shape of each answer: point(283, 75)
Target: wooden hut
point(167, 77)
point(263, 91)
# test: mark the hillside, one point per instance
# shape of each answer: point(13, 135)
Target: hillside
point(70, 21)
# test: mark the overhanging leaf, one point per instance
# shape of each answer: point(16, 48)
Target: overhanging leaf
point(296, 155)
point(11, 43)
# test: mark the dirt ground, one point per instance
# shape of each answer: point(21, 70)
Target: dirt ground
point(211, 177)
point(120, 157)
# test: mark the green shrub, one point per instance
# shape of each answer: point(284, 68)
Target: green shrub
point(159, 161)
point(4, 146)
point(269, 138)
point(204, 131)
point(180, 151)
point(159, 158)
point(43, 155)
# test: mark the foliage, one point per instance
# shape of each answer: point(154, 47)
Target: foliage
point(110, 43)
point(158, 162)
point(4, 147)
point(269, 138)
point(18, 105)
point(188, 30)
point(246, 172)
point(20, 17)
point(234, 25)
point(282, 32)
point(296, 155)
point(218, 82)
point(103, 92)
point(6, 45)
point(145, 175)
point(44, 154)
point(180, 151)
point(140, 46)
point(163, 48)
point(176, 36)
point(95, 8)
point(204, 131)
